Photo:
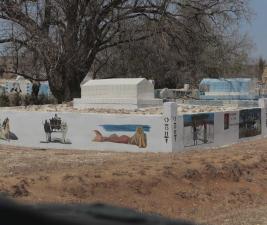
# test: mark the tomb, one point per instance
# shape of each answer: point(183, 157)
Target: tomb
point(117, 93)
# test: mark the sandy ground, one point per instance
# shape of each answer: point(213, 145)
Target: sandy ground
point(223, 186)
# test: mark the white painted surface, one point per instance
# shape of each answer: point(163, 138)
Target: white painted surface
point(230, 135)
point(28, 127)
point(117, 88)
point(118, 103)
point(227, 93)
point(128, 93)
point(170, 131)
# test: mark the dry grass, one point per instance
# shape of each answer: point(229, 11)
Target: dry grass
point(223, 186)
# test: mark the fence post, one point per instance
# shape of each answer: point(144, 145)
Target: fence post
point(170, 133)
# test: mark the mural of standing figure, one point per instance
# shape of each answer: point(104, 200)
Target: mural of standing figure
point(48, 131)
point(5, 132)
point(198, 129)
point(249, 122)
point(139, 138)
point(64, 129)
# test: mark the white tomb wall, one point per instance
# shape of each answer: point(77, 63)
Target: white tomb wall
point(129, 93)
point(145, 90)
point(28, 127)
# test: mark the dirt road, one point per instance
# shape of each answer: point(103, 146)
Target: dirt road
point(223, 186)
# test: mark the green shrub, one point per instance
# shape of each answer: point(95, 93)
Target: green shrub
point(15, 99)
point(42, 100)
point(4, 100)
point(27, 100)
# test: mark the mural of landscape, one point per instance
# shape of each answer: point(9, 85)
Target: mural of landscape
point(137, 134)
point(249, 123)
point(55, 131)
point(5, 133)
point(198, 129)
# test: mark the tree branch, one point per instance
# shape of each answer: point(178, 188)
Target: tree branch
point(27, 76)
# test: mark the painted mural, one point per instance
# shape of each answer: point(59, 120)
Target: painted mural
point(55, 130)
point(249, 123)
point(15, 88)
point(226, 121)
point(233, 119)
point(198, 129)
point(5, 133)
point(136, 137)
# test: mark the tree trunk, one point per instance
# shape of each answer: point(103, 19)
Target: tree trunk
point(65, 84)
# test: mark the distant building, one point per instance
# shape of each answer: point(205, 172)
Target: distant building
point(175, 93)
point(24, 87)
point(229, 89)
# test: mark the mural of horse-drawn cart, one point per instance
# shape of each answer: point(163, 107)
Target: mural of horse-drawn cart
point(56, 125)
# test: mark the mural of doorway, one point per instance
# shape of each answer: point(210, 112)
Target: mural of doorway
point(198, 129)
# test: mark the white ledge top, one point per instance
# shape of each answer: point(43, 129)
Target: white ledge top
point(115, 81)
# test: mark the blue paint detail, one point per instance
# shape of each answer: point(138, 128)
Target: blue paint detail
point(209, 117)
point(125, 128)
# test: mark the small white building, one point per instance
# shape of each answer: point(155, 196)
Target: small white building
point(127, 93)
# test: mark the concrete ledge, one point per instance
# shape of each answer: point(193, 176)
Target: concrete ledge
point(118, 103)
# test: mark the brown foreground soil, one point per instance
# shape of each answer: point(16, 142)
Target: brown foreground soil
point(223, 186)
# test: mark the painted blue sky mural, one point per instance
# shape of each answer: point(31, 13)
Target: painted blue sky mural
point(124, 128)
point(209, 117)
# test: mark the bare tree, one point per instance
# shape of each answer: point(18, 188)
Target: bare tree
point(184, 53)
point(66, 37)
point(261, 67)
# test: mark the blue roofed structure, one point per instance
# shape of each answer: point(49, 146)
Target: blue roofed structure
point(228, 89)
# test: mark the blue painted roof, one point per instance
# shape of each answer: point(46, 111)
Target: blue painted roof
point(227, 85)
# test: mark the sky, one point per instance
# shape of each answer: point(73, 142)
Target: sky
point(257, 29)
